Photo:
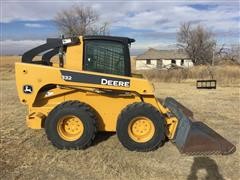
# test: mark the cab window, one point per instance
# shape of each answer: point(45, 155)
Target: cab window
point(104, 56)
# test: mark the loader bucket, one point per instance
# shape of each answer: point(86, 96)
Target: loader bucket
point(194, 137)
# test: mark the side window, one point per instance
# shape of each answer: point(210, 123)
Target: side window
point(104, 56)
point(148, 61)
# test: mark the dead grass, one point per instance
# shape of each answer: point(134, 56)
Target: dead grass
point(7, 66)
point(227, 75)
point(27, 154)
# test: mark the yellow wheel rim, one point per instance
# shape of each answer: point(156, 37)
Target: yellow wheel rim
point(70, 128)
point(141, 129)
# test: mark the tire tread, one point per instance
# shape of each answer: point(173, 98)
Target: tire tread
point(72, 104)
point(137, 106)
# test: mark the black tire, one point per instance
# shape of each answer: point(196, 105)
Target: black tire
point(136, 110)
point(81, 111)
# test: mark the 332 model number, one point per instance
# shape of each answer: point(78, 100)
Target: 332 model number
point(66, 78)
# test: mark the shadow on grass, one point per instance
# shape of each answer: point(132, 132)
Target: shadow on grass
point(207, 164)
point(102, 136)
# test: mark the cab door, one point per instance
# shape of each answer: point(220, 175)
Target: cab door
point(106, 56)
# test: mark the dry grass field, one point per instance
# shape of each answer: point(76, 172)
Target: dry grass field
point(27, 154)
point(226, 75)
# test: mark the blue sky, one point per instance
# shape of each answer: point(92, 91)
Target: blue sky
point(26, 23)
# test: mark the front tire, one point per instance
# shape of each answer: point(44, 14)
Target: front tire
point(141, 127)
point(71, 125)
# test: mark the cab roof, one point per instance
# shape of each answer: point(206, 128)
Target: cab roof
point(110, 38)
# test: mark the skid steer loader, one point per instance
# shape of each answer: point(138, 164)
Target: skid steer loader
point(91, 88)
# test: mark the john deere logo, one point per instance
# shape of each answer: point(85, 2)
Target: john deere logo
point(111, 82)
point(27, 89)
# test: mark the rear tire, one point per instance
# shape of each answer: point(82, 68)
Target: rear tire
point(141, 127)
point(71, 125)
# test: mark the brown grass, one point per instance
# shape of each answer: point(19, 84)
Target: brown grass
point(225, 75)
point(27, 154)
point(7, 66)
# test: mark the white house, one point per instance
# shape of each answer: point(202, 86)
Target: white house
point(160, 59)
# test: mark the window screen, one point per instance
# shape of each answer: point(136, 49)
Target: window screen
point(105, 57)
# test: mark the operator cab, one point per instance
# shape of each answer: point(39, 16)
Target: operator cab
point(107, 54)
point(104, 54)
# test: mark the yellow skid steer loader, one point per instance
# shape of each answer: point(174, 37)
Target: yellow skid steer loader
point(92, 89)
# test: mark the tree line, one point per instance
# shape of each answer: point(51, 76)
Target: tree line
point(201, 46)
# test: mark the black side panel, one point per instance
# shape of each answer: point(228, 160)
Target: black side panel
point(93, 79)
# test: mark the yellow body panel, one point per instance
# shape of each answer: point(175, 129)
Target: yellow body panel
point(74, 54)
point(34, 120)
point(39, 76)
point(106, 105)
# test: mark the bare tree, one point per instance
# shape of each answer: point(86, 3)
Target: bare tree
point(231, 53)
point(80, 20)
point(197, 42)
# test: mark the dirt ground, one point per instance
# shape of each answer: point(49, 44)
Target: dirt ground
point(27, 154)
